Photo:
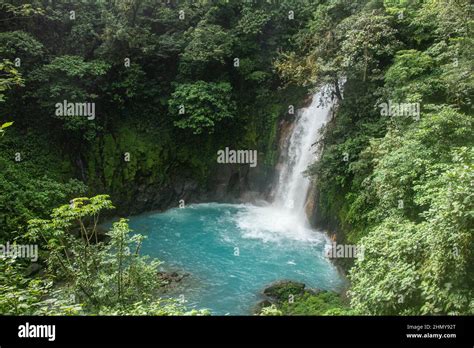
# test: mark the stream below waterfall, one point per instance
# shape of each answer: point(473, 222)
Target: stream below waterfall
point(233, 251)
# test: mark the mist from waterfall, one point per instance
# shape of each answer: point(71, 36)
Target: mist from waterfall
point(285, 218)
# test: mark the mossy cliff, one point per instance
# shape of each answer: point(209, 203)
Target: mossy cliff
point(148, 168)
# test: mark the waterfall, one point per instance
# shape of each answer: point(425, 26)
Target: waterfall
point(285, 217)
point(292, 186)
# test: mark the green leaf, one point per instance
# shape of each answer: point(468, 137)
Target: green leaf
point(6, 124)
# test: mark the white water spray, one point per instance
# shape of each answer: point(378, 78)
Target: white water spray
point(293, 186)
point(285, 218)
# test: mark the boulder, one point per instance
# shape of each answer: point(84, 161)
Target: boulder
point(281, 290)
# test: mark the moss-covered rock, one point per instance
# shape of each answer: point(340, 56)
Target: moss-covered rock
point(280, 291)
point(293, 298)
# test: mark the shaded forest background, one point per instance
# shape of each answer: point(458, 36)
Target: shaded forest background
point(401, 187)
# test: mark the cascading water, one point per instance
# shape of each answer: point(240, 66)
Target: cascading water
point(292, 187)
point(286, 216)
point(233, 251)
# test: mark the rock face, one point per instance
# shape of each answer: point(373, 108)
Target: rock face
point(230, 183)
point(309, 207)
point(139, 190)
point(316, 217)
point(286, 126)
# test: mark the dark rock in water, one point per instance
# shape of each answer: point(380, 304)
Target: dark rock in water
point(281, 290)
point(173, 282)
point(172, 277)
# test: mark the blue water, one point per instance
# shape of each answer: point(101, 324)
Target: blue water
point(232, 252)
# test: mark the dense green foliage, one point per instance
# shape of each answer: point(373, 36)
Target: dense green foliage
point(173, 83)
point(20, 295)
point(203, 104)
point(323, 303)
point(292, 298)
point(401, 186)
point(104, 278)
point(139, 61)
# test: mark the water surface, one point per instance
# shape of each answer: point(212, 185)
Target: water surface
point(233, 251)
